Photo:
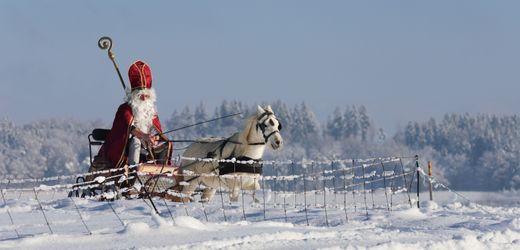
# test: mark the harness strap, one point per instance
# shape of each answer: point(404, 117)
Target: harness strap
point(256, 143)
point(230, 168)
point(264, 114)
point(269, 135)
point(223, 145)
point(235, 167)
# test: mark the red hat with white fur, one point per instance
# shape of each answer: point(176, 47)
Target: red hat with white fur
point(140, 75)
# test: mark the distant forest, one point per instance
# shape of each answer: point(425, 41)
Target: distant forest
point(469, 152)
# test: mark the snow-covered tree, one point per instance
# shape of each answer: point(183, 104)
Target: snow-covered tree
point(336, 125)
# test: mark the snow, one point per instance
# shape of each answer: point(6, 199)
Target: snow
point(409, 214)
point(490, 222)
point(189, 223)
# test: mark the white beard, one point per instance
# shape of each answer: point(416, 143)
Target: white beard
point(143, 111)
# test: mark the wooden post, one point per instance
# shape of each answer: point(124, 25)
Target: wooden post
point(430, 179)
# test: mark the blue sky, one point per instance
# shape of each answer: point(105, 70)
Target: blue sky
point(403, 60)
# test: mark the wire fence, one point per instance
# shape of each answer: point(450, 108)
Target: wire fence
point(306, 192)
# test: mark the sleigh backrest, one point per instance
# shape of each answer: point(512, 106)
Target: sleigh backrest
point(100, 134)
point(96, 138)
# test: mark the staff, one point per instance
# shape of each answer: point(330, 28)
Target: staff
point(106, 43)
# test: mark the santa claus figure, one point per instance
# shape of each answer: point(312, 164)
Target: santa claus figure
point(136, 134)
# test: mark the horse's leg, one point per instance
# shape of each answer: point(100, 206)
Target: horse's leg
point(255, 200)
point(256, 187)
point(193, 177)
point(183, 192)
point(233, 195)
point(209, 191)
point(208, 194)
point(234, 185)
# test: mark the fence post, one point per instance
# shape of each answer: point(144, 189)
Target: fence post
point(221, 201)
point(80, 216)
point(393, 189)
point(418, 179)
point(263, 193)
point(345, 193)
point(353, 178)
point(325, 198)
point(284, 196)
point(294, 183)
point(43, 212)
point(408, 187)
point(7, 209)
point(117, 215)
point(384, 182)
point(201, 202)
point(305, 197)
point(364, 188)
point(315, 185)
point(169, 210)
point(430, 179)
point(334, 183)
point(372, 190)
point(243, 202)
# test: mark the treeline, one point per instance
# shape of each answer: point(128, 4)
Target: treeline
point(477, 152)
point(45, 148)
point(301, 127)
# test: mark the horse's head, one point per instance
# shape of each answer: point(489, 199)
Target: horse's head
point(269, 126)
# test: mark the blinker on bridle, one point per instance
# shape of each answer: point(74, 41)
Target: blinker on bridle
point(262, 125)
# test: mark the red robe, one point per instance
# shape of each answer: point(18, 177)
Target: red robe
point(114, 147)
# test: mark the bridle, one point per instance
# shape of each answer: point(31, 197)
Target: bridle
point(262, 126)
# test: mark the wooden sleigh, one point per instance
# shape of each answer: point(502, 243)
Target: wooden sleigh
point(143, 180)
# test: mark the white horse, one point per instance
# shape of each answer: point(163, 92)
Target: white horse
point(261, 130)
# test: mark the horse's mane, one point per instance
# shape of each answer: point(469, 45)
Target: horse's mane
point(244, 136)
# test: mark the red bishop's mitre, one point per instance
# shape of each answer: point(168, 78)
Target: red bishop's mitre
point(140, 75)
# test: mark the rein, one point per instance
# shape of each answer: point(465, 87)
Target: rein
point(234, 142)
point(259, 125)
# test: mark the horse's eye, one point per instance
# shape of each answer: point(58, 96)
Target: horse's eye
point(271, 122)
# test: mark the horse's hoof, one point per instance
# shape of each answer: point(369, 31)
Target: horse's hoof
point(174, 198)
point(130, 194)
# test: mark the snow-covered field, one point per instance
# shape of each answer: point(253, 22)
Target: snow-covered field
point(490, 221)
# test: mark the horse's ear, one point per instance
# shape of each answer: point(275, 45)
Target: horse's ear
point(259, 110)
point(268, 108)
